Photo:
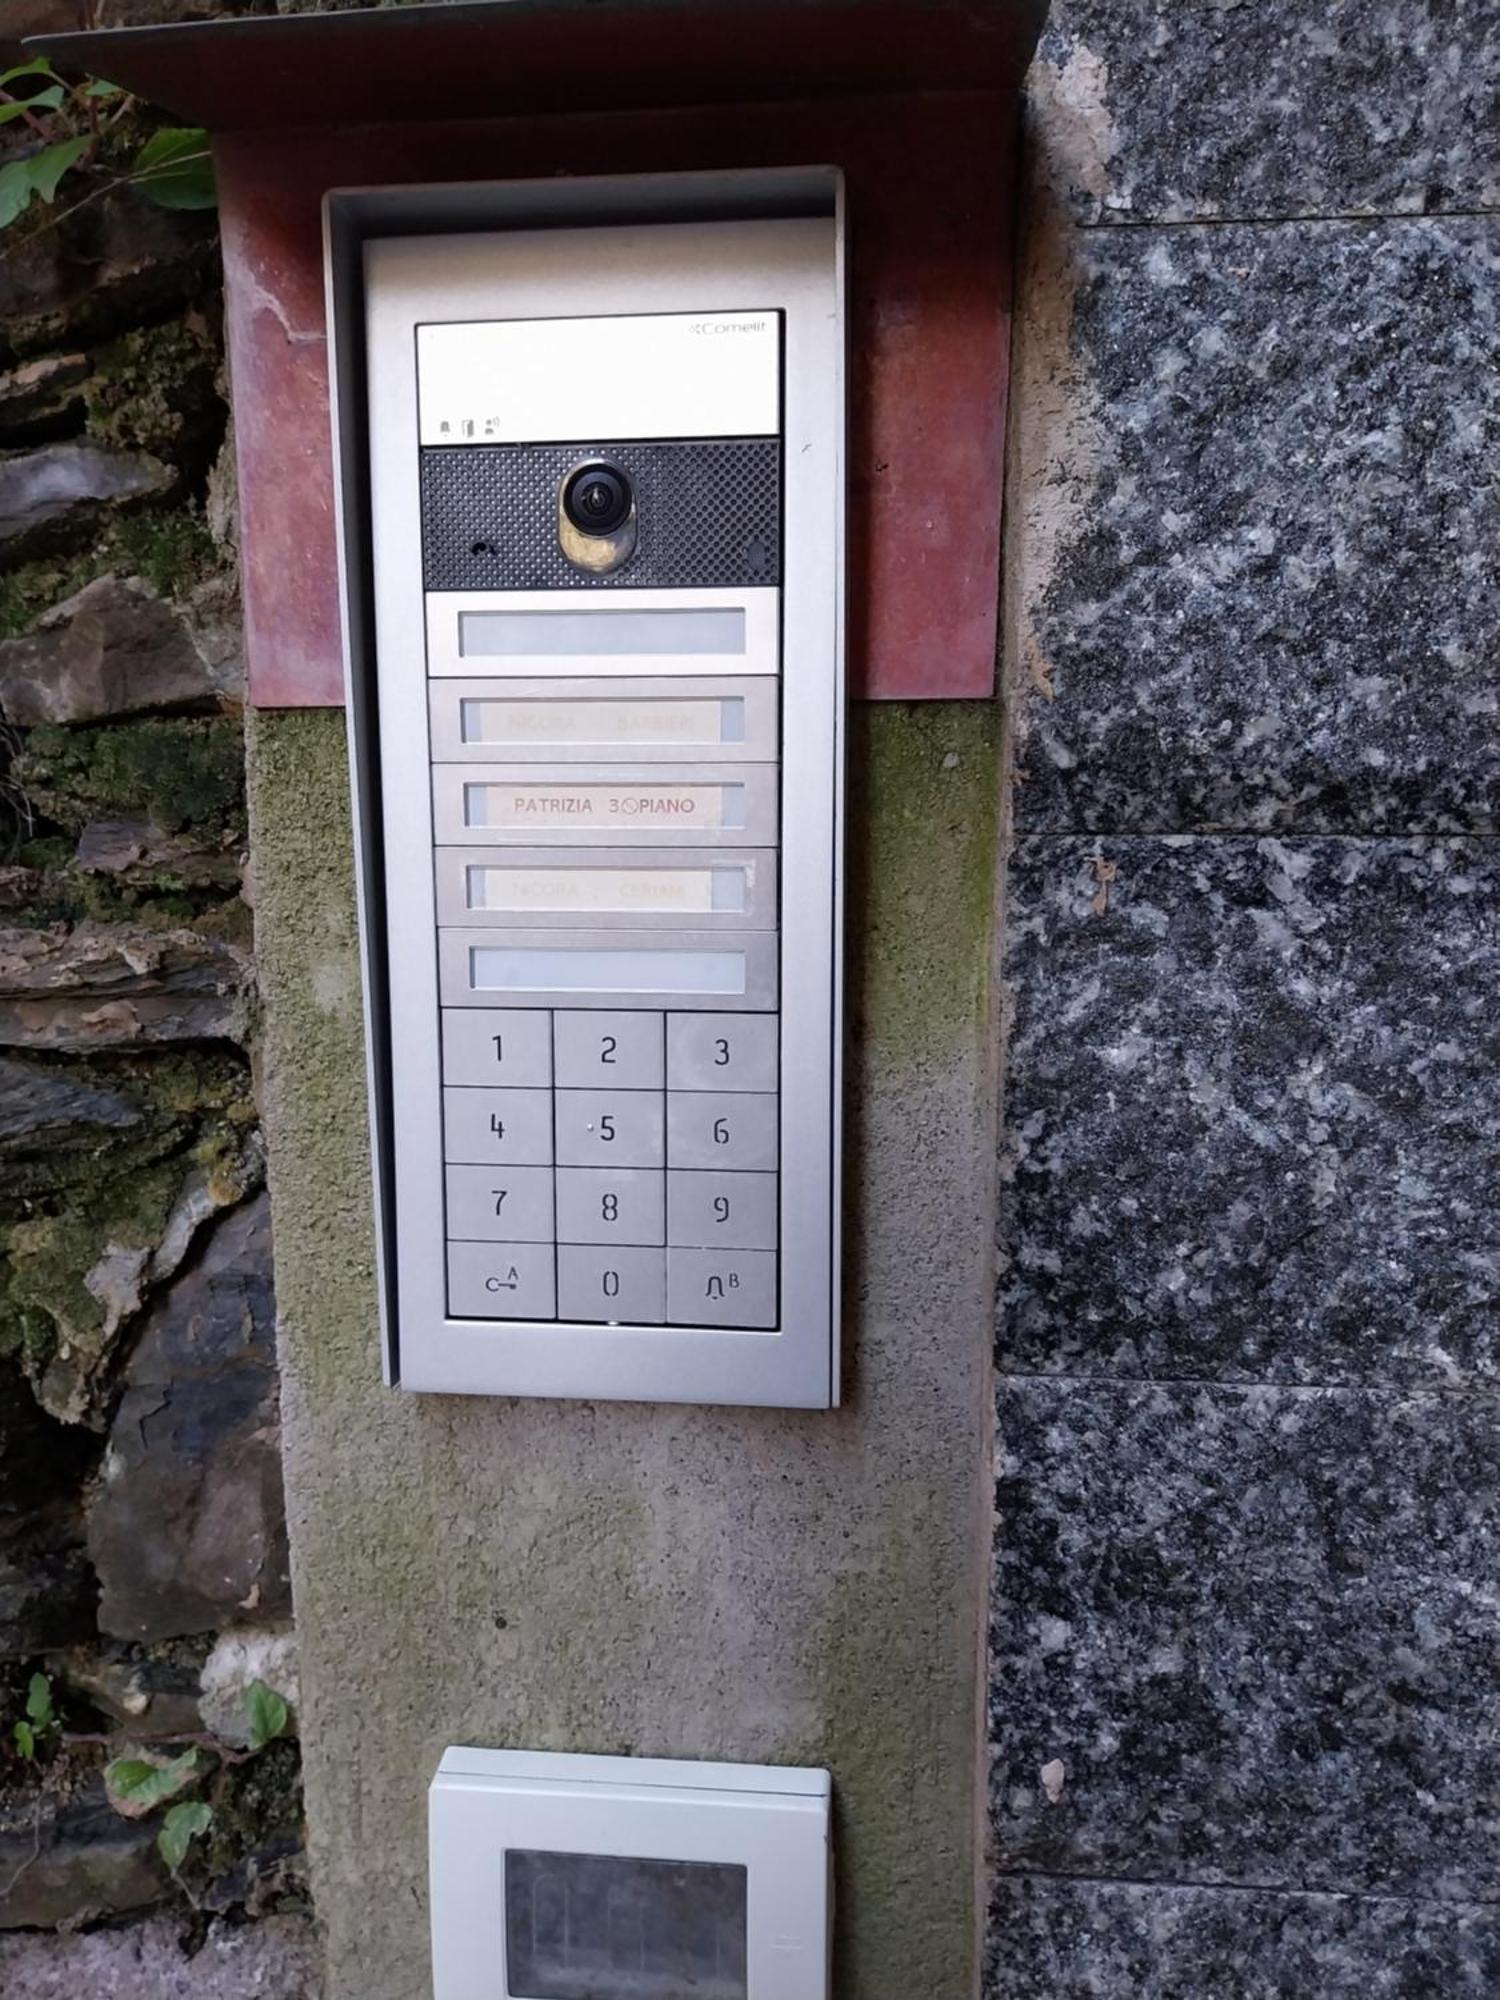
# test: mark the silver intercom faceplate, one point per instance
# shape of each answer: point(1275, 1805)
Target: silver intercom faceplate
point(620, 1878)
point(606, 472)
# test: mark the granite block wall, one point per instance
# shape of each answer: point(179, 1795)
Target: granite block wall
point(1245, 1702)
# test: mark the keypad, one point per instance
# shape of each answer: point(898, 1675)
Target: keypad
point(612, 1167)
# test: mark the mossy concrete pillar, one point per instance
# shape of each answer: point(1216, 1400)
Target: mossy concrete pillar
point(772, 1586)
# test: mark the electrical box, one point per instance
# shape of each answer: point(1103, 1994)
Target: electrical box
point(618, 1878)
point(600, 776)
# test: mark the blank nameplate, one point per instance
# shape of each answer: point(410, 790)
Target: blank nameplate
point(687, 720)
point(609, 634)
point(618, 969)
point(546, 633)
point(686, 969)
point(603, 723)
point(540, 885)
point(634, 805)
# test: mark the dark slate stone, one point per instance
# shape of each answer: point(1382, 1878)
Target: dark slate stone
point(1053, 1940)
point(1253, 1108)
point(47, 1590)
point(188, 1531)
point(75, 1864)
point(40, 1459)
point(1280, 607)
point(1234, 107)
point(1247, 1636)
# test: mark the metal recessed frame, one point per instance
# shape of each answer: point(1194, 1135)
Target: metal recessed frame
point(798, 1362)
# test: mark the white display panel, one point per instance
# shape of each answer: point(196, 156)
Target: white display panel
point(611, 805)
point(614, 1878)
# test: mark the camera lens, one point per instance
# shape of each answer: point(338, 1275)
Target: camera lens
point(597, 498)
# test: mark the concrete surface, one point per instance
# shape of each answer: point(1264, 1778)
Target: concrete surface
point(778, 1587)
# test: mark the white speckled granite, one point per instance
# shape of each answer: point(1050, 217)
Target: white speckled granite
point(1253, 1110)
point(1200, 108)
point(1279, 609)
point(1245, 1694)
point(1248, 1636)
point(1053, 1940)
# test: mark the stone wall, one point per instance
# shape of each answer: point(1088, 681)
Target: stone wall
point(1244, 1702)
point(143, 1568)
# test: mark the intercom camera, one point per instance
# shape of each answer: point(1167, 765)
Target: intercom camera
point(602, 549)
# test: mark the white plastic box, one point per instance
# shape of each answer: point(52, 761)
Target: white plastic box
point(617, 1878)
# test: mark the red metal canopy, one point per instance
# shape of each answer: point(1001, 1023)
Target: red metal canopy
point(915, 99)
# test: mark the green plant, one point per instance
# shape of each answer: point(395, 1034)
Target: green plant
point(138, 1785)
point(40, 1719)
point(74, 126)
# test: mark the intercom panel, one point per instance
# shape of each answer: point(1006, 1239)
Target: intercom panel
point(605, 564)
point(559, 1877)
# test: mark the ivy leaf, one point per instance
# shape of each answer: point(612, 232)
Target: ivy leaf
point(38, 66)
point(181, 1828)
point(175, 170)
point(25, 1737)
point(39, 1700)
point(47, 167)
point(266, 1713)
point(45, 100)
point(15, 191)
point(138, 1785)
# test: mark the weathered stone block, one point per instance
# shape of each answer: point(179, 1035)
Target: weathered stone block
point(1253, 1103)
point(64, 485)
point(91, 986)
point(151, 1691)
point(36, 1101)
point(76, 1865)
point(42, 396)
point(115, 262)
point(1053, 1940)
point(1254, 545)
point(238, 1660)
point(187, 1531)
point(276, 1959)
point(1245, 1636)
point(1155, 110)
point(135, 851)
point(113, 649)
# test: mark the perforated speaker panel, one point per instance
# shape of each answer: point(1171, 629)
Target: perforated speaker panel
point(708, 515)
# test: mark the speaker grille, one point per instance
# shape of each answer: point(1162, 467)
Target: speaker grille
point(709, 515)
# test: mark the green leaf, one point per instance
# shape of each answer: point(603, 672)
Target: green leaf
point(49, 165)
point(174, 168)
point(39, 1700)
point(181, 1828)
point(100, 89)
point(39, 66)
point(138, 1785)
point(266, 1713)
point(45, 100)
point(16, 191)
point(25, 1737)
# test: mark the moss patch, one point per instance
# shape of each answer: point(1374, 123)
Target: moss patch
point(173, 550)
point(153, 390)
point(178, 773)
point(80, 1190)
point(924, 845)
